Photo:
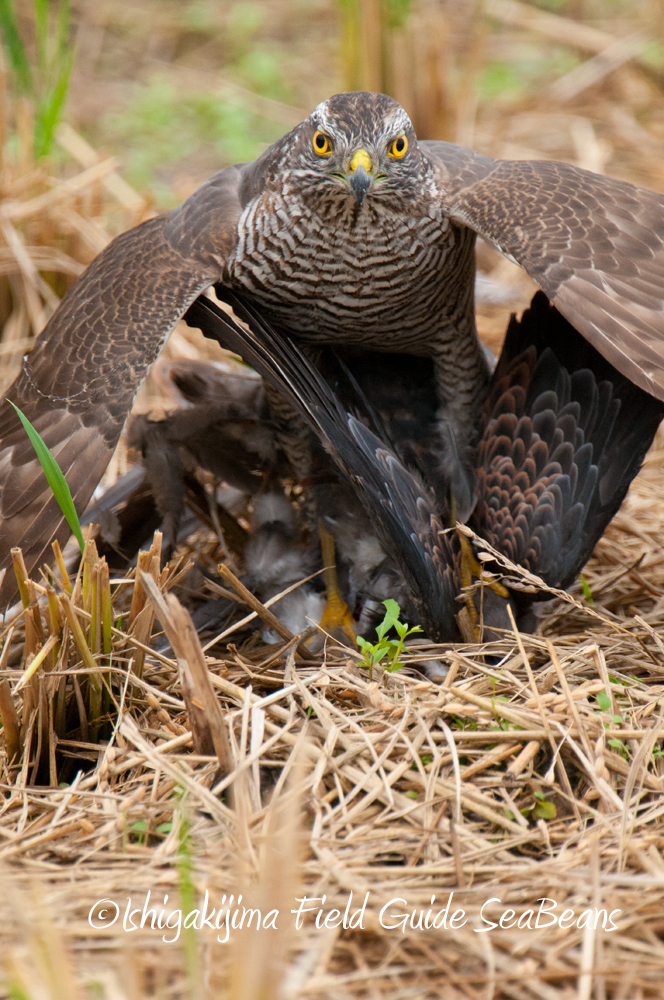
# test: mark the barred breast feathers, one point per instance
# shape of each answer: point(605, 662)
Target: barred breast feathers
point(316, 274)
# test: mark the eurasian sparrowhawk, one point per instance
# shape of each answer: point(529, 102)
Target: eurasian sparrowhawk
point(346, 231)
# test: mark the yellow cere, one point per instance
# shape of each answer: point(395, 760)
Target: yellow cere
point(360, 159)
point(398, 147)
point(322, 144)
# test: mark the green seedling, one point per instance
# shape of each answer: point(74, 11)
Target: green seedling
point(620, 747)
point(605, 705)
point(458, 722)
point(387, 649)
point(544, 810)
point(541, 808)
point(425, 760)
point(140, 828)
point(604, 701)
point(587, 592)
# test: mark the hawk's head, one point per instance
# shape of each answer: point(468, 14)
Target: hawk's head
point(358, 145)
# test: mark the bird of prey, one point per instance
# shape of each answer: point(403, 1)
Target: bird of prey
point(348, 230)
point(561, 436)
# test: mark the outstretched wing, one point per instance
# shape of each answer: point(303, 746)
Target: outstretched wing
point(78, 383)
point(593, 244)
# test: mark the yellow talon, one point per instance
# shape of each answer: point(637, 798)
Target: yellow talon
point(471, 569)
point(337, 616)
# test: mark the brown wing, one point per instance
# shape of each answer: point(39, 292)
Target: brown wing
point(78, 383)
point(593, 244)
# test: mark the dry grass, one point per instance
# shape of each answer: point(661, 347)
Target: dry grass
point(506, 781)
point(512, 779)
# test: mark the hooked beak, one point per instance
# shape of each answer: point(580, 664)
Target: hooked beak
point(360, 178)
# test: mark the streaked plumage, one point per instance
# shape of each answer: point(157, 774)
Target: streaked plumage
point(331, 258)
point(561, 437)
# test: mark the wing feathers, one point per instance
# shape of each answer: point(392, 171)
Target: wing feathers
point(595, 246)
point(78, 383)
point(620, 332)
point(548, 494)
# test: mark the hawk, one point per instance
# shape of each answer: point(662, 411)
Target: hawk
point(347, 231)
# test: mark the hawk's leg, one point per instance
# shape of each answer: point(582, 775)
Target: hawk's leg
point(461, 373)
point(295, 440)
point(292, 433)
point(470, 570)
point(337, 616)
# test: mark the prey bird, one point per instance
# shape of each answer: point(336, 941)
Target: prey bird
point(221, 425)
point(561, 436)
point(347, 231)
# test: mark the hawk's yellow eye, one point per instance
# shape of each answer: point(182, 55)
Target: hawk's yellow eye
point(322, 144)
point(398, 147)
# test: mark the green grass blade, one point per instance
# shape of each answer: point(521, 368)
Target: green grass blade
point(397, 12)
point(41, 32)
point(188, 894)
point(50, 109)
point(62, 34)
point(54, 477)
point(14, 47)
point(17, 993)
